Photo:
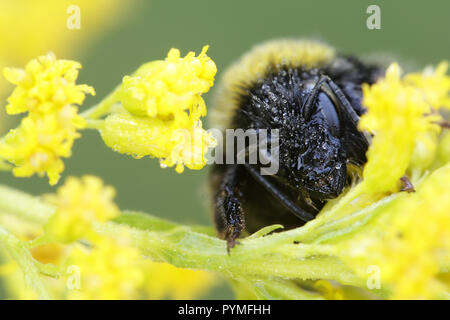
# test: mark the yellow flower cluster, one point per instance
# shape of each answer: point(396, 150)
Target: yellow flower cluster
point(164, 109)
point(46, 89)
point(402, 116)
point(106, 268)
point(168, 88)
point(115, 270)
point(409, 240)
point(110, 270)
point(434, 83)
point(79, 203)
point(38, 144)
point(409, 243)
point(164, 280)
point(46, 85)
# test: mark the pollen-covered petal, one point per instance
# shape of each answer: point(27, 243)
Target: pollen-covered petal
point(435, 84)
point(46, 89)
point(171, 85)
point(165, 107)
point(79, 203)
point(401, 118)
point(40, 142)
point(408, 242)
point(110, 269)
point(113, 269)
point(44, 85)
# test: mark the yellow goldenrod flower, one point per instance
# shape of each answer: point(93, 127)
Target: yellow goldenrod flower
point(109, 270)
point(164, 104)
point(162, 280)
point(400, 115)
point(409, 242)
point(114, 270)
point(46, 85)
point(166, 88)
point(40, 142)
point(47, 90)
point(79, 203)
point(171, 142)
point(434, 83)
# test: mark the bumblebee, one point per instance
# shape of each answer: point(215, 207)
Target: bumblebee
point(312, 95)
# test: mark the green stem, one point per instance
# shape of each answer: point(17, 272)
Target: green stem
point(24, 205)
point(95, 124)
point(49, 270)
point(187, 249)
point(103, 107)
point(41, 240)
point(273, 256)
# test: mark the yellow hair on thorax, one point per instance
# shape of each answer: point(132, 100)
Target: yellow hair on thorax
point(254, 65)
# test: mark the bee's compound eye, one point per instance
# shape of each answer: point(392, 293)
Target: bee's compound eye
point(328, 110)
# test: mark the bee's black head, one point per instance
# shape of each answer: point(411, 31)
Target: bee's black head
point(319, 163)
point(317, 137)
point(312, 151)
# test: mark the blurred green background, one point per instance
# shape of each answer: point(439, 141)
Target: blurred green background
point(414, 32)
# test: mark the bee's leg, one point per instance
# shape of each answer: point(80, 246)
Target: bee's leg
point(279, 195)
point(228, 213)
